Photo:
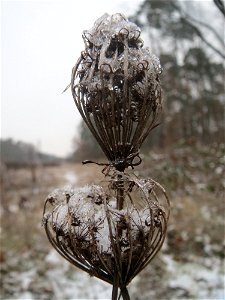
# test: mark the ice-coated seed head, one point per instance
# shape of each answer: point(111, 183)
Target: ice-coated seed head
point(115, 85)
point(99, 237)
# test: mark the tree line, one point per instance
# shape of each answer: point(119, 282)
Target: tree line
point(20, 154)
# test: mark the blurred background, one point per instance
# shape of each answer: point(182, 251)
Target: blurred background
point(43, 142)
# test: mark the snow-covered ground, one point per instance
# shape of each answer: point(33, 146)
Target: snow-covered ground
point(71, 177)
point(191, 266)
point(200, 279)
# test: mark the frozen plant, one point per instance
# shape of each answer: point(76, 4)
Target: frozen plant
point(113, 231)
point(112, 244)
point(115, 85)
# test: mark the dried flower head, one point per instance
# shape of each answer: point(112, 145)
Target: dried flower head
point(113, 232)
point(115, 85)
point(86, 227)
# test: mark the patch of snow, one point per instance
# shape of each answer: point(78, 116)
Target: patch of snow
point(202, 279)
point(78, 286)
point(171, 264)
point(25, 296)
point(13, 208)
point(53, 258)
point(26, 278)
point(219, 170)
point(71, 177)
point(205, 212)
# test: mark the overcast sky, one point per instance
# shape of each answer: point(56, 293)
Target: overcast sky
point(40, 43)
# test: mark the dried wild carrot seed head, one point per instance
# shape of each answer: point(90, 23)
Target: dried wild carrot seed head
point(115, 85)
point(86, 227)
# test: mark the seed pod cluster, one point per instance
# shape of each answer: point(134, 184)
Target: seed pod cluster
point(115, 85)
point(113, 231)
point(89, 230)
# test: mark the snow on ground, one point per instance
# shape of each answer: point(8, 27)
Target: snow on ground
point(33, 272)
point(71, 177)
point(203, 278)
point(200, 279)
point(76, 284)
point(80, 286)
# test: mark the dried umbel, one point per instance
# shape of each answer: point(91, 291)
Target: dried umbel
point(115, 85)
point(86, 227)
point(113, 231)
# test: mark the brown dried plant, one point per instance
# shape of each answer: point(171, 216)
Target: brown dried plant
point(113, 231)
point(115, 85)
point(86, 227)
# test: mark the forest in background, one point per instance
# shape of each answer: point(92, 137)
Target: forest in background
point(19, 154)
point(191, 50)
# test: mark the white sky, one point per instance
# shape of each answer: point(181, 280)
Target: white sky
point(40, 43)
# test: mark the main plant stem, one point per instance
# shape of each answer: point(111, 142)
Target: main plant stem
point(116, 284)
point(120, 193)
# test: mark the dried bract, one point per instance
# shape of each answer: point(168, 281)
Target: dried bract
point(103, 240)
point(115, 85)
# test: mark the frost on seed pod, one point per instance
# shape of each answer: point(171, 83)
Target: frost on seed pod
point(90, 231)
point(113, 231)
point(115, 85)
